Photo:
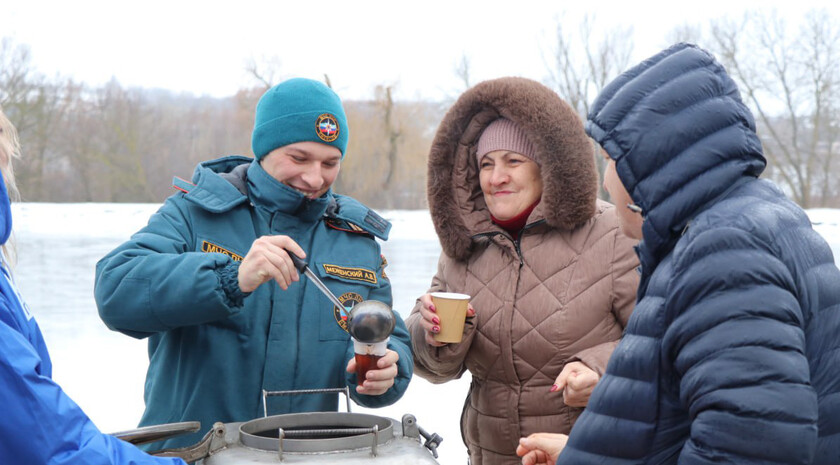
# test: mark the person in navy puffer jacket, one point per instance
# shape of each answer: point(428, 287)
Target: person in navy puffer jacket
point(732, 354)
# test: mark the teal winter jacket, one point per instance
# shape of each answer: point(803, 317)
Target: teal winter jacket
point(213, 349)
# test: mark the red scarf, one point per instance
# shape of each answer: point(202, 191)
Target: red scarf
point(514, 225)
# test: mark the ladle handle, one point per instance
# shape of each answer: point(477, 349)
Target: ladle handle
point(300, 264)
point(303, 268)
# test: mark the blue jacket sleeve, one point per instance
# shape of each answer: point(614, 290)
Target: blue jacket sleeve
point(41, 424)
point(399, 342)
point(156, 281)
point(738, 350)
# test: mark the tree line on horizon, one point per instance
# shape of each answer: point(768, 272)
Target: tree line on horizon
point(116, 144)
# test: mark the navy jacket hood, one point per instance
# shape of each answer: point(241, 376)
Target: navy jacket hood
point(651, 120)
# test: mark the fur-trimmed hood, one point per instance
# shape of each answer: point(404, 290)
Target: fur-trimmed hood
point(565, 152)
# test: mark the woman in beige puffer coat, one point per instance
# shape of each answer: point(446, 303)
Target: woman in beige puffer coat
point(552, 279)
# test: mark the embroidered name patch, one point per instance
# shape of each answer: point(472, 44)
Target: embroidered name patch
point(349, 299)
point(354, 274)
point(213, 248)
point(326, 126)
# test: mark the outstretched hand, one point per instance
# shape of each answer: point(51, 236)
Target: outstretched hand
point(541, 448)
point(577, 381)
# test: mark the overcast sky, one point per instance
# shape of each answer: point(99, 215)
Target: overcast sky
point(203, 47)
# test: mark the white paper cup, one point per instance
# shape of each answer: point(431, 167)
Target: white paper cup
point(367, 354)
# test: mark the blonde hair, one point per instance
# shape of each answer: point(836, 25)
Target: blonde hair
point(9, 150)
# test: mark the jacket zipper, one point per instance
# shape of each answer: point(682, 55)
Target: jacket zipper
point(516, 243)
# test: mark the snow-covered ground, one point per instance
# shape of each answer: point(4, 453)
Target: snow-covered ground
point(826, 221)
point(59, 244)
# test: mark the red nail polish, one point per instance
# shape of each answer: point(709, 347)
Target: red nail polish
point(435, 320)
point(432, 308)
point(554, 388)
point(435, 329)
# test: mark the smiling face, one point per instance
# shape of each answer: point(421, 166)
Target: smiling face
point(308, 167)
point(629, 221)
point(510, 182)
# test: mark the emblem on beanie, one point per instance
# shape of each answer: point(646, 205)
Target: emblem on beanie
point(327, 127)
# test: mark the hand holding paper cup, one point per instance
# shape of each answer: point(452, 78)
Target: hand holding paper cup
point(451, 309)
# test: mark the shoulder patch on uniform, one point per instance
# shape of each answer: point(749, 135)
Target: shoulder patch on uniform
point(343, 225)
point(349, 299)
point(182, 184)
point(210, 247)
point(375, 221)
point(353, 274)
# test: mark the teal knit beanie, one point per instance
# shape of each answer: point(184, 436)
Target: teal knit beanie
point(298, 110)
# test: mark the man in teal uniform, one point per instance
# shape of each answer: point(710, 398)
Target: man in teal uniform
point(210, 282)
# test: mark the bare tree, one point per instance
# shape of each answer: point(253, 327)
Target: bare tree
point(687, 32)
point(385, 102)
point(462, 71)
point(35, 105)
point(265, 71)
point(80, 146)
point(580, 66)
point(385, 165)
point(791, 80)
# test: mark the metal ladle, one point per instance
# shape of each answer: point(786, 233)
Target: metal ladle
point(368, 321)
